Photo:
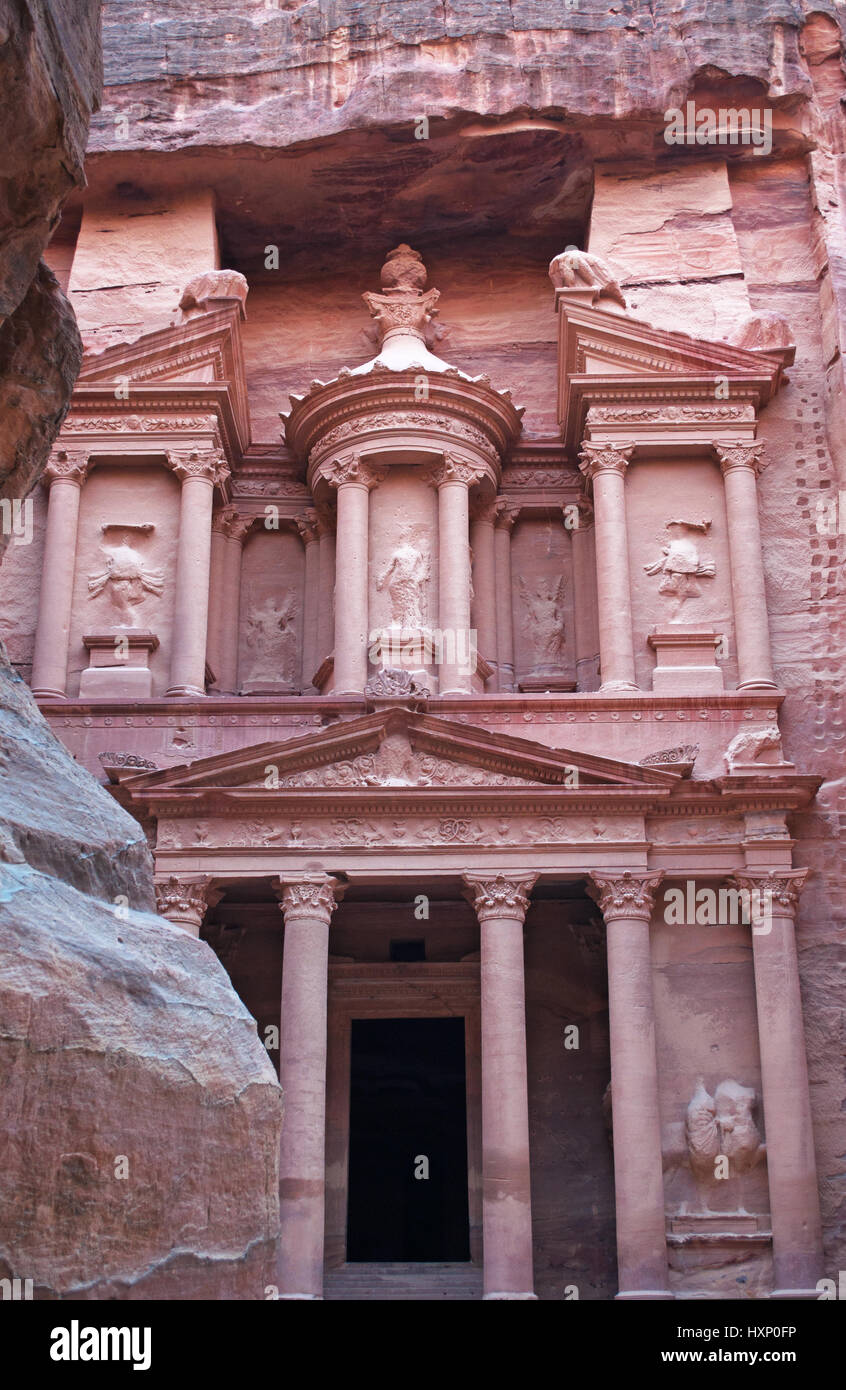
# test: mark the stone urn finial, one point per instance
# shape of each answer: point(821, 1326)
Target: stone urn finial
point(403, 270)
point(403, 307)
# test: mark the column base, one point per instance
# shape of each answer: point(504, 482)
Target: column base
point(49, 694)
point(645, 1296)
point(509, 1297)
point(618, 687)
point(191, 692)
point(757, 685)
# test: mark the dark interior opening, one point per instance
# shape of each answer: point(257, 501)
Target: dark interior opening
point(408, 1141)
point(408, 950)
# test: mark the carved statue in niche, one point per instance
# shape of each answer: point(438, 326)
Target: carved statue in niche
point(272, 639)
point(127, 577)
point(545, 614)
point(681, 564)
point(718, 1142)
point(405, 578)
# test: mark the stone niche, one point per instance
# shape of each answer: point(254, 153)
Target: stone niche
point(120, 633)
point(682, 612)
point(403, 573)
point(543, 605)
point(270, 630)
point(718, 1224)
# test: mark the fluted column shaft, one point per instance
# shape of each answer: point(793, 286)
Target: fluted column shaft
point(307, 527)
point(791, 1163)
point(501, 901)
point(505, 520)
point(606, 466)
point(353, 479)
point(198, 473)
point(740, 464)
point(308, 901)
point(66, 473)
point(483, 607)
point(626, 900)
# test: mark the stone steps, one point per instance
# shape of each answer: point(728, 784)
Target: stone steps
point(429, 1282)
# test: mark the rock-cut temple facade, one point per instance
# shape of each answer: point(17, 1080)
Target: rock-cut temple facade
point(454, 727)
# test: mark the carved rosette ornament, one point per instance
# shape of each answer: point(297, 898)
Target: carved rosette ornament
point(777, 887)
point(733, 456)
point(500, 895)
point(604, 458)
point(351, 468)
point(67, 466)
point(185, 901)
point(626, 894)
point(310, 897)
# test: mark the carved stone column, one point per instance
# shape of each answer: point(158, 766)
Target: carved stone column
point(791, 1165)
point(308, 901)
point(605, 466)
point(66, 473)
point(500, 901)
point(198, 472)
point(483, 606)
point(237, 529)
point(307, 527)
point(505, 519)
point(184, 901)
point(353, 480)
point(326, 606)
point(217, 587)
point(586, 635)
point(741, 464)
point(626, 900)
point(453, 479)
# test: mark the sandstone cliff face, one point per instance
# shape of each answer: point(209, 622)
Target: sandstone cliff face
point(139, 1113)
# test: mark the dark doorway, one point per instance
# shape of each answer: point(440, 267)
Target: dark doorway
point(408, 1116)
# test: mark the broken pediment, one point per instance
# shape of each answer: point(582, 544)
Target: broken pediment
point(637, 374)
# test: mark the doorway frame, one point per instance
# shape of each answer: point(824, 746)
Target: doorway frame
point(407, 990)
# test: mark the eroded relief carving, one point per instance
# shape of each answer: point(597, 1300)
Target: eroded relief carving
point(271, 639)
point(127, 578)
point(754, 745)
point(405, 579)
point(575, 269)
point(681, 565)
point(544, 605)
point(708, 1156)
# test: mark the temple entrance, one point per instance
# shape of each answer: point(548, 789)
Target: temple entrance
point(407, 1193)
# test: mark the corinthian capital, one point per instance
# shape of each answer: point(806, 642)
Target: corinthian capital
point(454, 470)
point(185, 901)
point(309, 897)
point(779, 886)
point(69, 465)
point(500, 895)
point(741, 456)
point(351, 468)
point(604, 458)
point(209, 464)
point(629, 893)
point(307, 525)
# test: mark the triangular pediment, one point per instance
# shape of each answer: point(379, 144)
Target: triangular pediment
point(398, 749)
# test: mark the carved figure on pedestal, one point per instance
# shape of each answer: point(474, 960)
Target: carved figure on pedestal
point(718, 1141)
point(545, 616)
point(126, 575)
point(405, 577)
point(681, 564)
point(272, 639)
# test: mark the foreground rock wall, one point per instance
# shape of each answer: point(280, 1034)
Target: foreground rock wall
point(139, 1113)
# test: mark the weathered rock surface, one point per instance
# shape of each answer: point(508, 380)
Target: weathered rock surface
point(40, 358)
point(140, 1114)
point(50, 82)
